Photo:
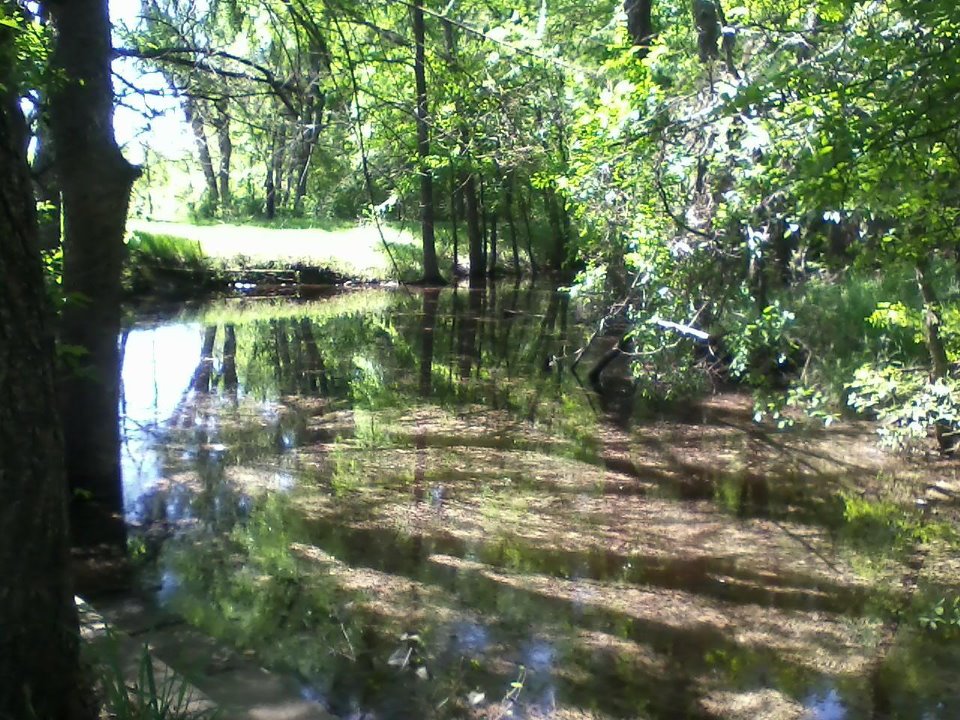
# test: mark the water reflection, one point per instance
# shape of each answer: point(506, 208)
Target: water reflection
point(409, 501)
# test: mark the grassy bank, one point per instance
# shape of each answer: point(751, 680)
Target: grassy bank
point(362, 252)
point(354, 251)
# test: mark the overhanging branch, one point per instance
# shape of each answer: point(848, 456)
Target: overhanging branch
point(200, 59)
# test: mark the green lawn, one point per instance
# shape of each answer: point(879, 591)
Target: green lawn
point(356, 250)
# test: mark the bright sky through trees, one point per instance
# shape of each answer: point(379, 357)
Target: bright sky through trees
point(136, 121)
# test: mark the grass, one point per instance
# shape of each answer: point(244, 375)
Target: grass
point(350, 249)
point(150, 695)
point(355, 250)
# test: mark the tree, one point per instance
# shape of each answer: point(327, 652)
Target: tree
point(431, 269)
point(39, 640)
point(95, 180)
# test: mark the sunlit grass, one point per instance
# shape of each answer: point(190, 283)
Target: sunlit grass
point(355, 250)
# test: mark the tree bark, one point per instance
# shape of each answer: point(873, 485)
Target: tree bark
point(512, 222)
point(640, 24)
point(40, 674)
point(558, 243)
point(474, 233)
point(270, 184)
point(279, 146)
point(454, 222)
point(431, 269)
point(225, 144)
point(96, 181)
point(191, 111)
point(947, 435)
point(525, 213)
point(493, 221)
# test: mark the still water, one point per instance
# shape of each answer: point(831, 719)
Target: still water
point(410, 502)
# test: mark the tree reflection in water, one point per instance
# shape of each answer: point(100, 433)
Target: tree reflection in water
point(406, 497)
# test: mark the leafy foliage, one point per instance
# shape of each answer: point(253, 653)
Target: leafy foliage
point(725, 178)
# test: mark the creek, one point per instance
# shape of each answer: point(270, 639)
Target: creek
point(408, 501)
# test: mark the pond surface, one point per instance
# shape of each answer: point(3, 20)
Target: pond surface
point(408, 501)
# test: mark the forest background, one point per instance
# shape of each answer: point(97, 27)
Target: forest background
point(773, 179)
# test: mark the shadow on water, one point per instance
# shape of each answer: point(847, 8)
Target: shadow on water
point(398, 498)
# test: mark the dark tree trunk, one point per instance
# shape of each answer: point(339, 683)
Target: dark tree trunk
point(525, 213)
point(639, 24)
point(96, 181)
point(455, 196)
point(492, 223)
point(191, 109)
point(512, 222)
point(492, 255)
point(225, 145)
point(307, 143)
point(558, 245)
point(947, 434)
point(304, 155)
point(458, 179)
point(270, 184)
point(431, 269)
point(932, 323)
point(484, 227)
point(40, 674)
point(280, 139)
point(474, 232)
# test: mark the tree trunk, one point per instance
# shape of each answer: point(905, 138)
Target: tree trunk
point(493, 217)
point(639, 24)
point(270, 184)
point(512, 222)
point(96, 181)
point(226, 153)
point(40, 674)
point(454, 221)
point(525, 213)
point(474, 233)
point(431, 269)
point(484, 227)
point(280, 139)
point(558, 245)
point(191, 111)
point(947, 435)
point(492, 224)
point(307, 142)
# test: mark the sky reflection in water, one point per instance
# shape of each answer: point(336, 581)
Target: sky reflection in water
point(339, 476)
